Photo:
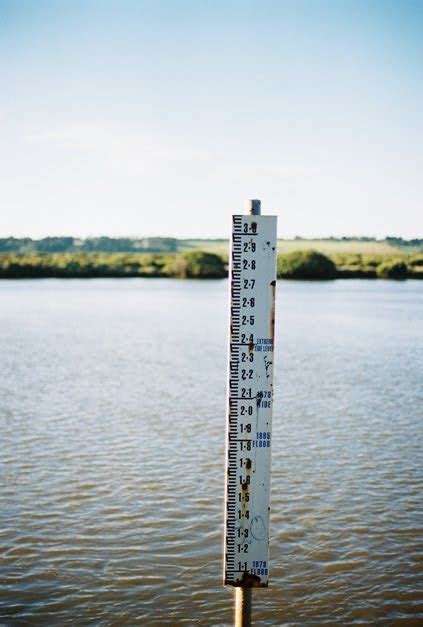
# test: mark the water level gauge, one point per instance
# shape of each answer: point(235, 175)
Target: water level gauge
point(250, 400)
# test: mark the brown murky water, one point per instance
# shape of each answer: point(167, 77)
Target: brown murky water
point(112, 416)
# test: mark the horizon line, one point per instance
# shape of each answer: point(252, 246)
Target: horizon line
point(142, 237)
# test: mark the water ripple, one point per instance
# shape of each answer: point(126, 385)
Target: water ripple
point(112, 397)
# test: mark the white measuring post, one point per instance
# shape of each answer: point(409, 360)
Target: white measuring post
point(250, 401)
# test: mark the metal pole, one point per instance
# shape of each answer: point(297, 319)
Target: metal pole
point(243, 594)
point(254, 207)
point(243, 606)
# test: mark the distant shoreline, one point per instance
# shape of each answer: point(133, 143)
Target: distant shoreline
point(197, 264)
point(341, 277)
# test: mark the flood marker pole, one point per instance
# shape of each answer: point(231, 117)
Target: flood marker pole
point(252, 278)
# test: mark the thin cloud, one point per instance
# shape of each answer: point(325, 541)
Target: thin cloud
point(123, 153)
point(135, 154)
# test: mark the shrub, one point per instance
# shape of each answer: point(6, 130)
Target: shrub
point(306, 264)
point(196, 264)
point(352, 260)
point(372, 262)
point(393, 269)
point(416, 260)
point(356, 273)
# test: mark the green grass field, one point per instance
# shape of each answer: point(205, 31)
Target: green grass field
point(221, 247)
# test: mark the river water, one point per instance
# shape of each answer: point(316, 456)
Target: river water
point(112, 421)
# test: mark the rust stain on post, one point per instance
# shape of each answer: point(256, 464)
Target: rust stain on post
point(272, 311)
point(250, 581)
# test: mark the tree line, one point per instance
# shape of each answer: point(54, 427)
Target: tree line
point(90, 244)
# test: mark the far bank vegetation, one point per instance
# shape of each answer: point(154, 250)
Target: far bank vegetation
point(197, 264)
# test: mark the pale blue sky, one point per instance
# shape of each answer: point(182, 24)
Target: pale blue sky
point(164, 117)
